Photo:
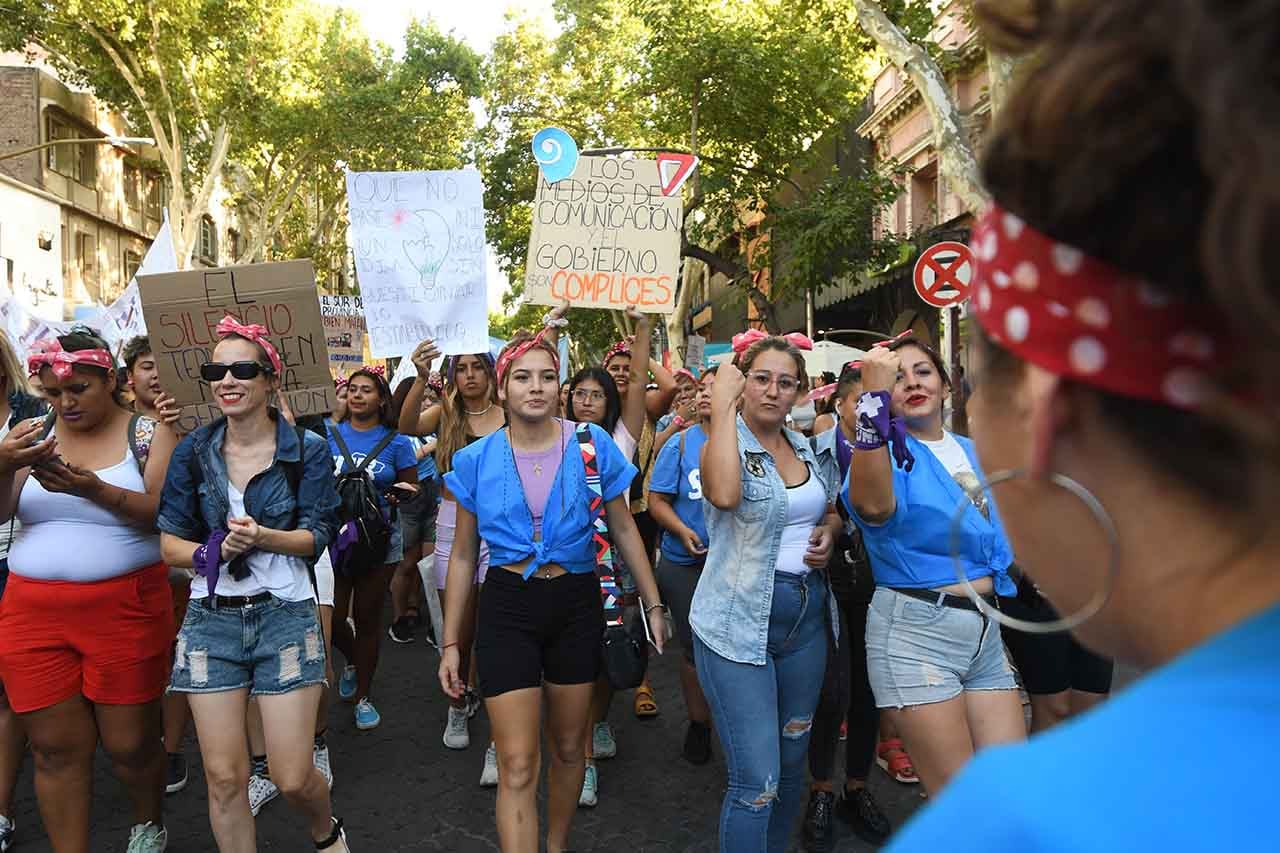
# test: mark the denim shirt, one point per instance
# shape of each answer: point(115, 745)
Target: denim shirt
point(734, 599)
point(190, 510)
point(824, 448)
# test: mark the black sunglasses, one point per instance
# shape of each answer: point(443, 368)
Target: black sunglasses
point(212, 371)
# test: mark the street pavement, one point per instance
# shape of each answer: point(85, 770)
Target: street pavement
point(399, 789)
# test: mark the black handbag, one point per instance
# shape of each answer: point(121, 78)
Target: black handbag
point(624, 649)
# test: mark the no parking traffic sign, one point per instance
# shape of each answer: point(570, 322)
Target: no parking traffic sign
point(944, 273)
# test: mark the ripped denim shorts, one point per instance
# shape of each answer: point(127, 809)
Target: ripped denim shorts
point(270, 647)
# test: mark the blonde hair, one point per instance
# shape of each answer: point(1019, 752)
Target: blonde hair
point(13, 368)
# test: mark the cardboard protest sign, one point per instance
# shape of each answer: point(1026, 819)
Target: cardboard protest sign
point(605, 237)
point(418, 240)
point(343, 318)
point(183, 309)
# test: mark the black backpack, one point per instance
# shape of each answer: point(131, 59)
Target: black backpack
point(358, 505)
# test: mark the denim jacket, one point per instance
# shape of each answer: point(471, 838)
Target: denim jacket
point(191, 506)
point(734, 598)
point(824, 448)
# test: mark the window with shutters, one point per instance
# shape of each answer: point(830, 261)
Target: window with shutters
point(208, 248)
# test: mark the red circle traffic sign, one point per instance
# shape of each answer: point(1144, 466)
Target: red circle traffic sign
point(944, 273)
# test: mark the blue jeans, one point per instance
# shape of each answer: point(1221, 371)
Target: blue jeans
point(763, 715)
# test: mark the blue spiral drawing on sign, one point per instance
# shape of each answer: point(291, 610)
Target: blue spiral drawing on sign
point(556, 153)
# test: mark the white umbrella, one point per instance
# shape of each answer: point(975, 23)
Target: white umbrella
point(829, 356)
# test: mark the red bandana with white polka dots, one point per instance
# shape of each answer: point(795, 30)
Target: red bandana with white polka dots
point(1073, 315)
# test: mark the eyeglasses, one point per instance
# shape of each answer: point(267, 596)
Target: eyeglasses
point(212, 371)
point(581, 396)
point(762, 379)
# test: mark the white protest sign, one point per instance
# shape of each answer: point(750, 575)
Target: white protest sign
point(605, 237)
point(695, 352)
point(418, 240)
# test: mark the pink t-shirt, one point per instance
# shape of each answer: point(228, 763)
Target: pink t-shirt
point(538, 470)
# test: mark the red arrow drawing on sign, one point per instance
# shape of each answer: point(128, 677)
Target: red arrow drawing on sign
point(674, 170)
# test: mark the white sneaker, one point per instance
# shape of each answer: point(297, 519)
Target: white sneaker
point(590, 784)
point(7, 829)
point(261, 791)
point(320, 758)
point(603, 743)
point(489, 776)
point(456, 734)
point(147, 838)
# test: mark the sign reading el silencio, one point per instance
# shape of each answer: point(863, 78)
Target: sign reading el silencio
point(605, 237)
point(182, 312)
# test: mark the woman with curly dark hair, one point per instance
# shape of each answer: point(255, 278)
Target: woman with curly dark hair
point(1126, 407)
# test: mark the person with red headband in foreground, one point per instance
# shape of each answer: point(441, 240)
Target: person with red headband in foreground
point(533, 491)
point(249, 503)
point(86, 626)
point(1127, 386)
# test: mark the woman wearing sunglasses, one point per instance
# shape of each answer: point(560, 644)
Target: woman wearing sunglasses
point(526, 490)
point(86, 626)
point(367, 432)
point(249, 503)
point(761, 613)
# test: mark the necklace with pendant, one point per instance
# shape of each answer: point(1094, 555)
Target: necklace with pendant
point(537, 469)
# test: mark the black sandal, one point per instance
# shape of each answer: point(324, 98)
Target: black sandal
point(334, 837)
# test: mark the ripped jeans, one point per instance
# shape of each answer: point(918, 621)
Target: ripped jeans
point(764, 714)
point(270, 647)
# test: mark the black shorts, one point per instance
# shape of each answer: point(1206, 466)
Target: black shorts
point(677, 583)
point(1052, 663)
point(537, 629)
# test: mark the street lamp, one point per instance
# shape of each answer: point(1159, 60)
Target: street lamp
point(118, 141)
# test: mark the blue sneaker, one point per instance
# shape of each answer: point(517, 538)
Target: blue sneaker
point(367, 716)
point(347, 684)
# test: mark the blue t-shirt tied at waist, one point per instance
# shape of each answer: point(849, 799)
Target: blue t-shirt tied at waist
point(484, 482)
point(680, 474)
point(912, 549)
point(395, 457)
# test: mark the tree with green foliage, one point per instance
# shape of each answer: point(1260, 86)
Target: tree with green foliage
point(188, 72)
point(747, 86)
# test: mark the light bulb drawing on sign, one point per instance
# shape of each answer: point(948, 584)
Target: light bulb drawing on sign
point(556, 153)
point(426, 246)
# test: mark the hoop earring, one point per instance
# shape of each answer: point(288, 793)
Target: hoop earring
point(1066, 623)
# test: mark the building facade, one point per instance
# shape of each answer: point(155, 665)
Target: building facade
point(76, 219)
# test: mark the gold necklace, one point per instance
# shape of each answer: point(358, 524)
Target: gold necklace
point(483, 411)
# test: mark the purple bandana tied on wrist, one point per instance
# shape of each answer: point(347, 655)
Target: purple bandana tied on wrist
point(208, 557)
point(876, 428)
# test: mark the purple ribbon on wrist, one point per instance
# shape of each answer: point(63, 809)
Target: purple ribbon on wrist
point(208, 558)
point(876, 427)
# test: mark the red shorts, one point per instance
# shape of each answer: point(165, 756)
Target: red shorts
point(108, 640)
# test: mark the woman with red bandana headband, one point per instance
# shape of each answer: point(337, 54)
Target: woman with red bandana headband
point(467, 412)
point(85, 640)
point(1127, 393)
point(932, 656)
point(529, 491)
point(249, 503)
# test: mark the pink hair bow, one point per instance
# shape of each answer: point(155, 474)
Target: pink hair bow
point(622, 347)
point(743, 340)
point(62, 362)
point(822, 393)
point(375, 369)
point(228, 326)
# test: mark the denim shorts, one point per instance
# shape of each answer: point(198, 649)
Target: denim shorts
point(272, 647)
point(919, 653)
point(418, 516)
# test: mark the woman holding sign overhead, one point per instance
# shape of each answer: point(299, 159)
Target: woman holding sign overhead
point(86, 625)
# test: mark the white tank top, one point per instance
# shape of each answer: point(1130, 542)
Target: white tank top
point(68, 538)
point(806, 505)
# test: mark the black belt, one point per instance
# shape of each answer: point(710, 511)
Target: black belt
point(943, 599)
point(216, 601)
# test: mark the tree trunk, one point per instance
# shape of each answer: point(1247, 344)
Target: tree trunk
point(956, 160)
point(677, 339)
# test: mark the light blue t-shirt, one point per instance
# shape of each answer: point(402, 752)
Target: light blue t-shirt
point(680, 474)
point(427, 464)
point(395, 457)
point(1180, 760)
